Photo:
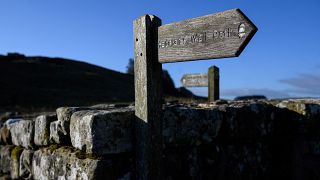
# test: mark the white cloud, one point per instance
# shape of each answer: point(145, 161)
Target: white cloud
point(306, 84)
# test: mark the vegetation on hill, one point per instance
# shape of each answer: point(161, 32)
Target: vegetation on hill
point(47, 83)
point(250, 97)
point(34, 82)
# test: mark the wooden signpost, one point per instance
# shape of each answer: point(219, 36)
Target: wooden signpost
point(213, 36)
point(219, 35)
point(195, 80)
point(210, 80)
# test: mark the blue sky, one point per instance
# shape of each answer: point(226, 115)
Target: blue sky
point(282, 59)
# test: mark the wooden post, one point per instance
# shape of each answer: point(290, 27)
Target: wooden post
point(213, 84)
point(148, 99)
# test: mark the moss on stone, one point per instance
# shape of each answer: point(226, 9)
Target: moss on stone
point(67, 149)
point(46, 135)
point(82, 155)
point(297, 107)
point(53, 147)
point(16, 152)
point(79, 154)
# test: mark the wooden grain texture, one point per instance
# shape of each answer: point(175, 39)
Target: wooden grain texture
point(219, 35)
point(213, 84)
point(195, 80)
point(148, 96)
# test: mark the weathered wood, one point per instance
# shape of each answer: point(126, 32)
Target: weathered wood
point(213, 84)
point(195, 80)
point(219, 35)
point(148, 96)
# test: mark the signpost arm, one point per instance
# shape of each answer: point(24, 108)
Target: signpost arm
point(148, 99)
point(213, 84)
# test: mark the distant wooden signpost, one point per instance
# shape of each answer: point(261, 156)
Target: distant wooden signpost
point(210, 80)
point(219, 35)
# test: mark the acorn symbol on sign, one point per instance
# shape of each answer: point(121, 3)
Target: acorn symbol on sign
point(242, 29)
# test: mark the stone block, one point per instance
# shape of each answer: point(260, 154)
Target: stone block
point(64, 115)
point(5, 177)
point(22, 133)
point(5, 136)
point(309, 111)
point(25, 167)
point(15, 162)
point(46, 165)
point(102, 131)
point(237, 121)
point(307, 108)
point(56, 134)
point(60, 129)
point(63, 163)
point(5, 158)
point(42, 129)
point(190, 126)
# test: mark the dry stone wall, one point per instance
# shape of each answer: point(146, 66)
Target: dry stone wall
point(228, 140)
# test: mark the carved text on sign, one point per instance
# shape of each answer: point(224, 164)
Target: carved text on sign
point(203, 37)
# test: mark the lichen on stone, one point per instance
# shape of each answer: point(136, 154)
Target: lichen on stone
point(83, 155)
point(16, 152)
